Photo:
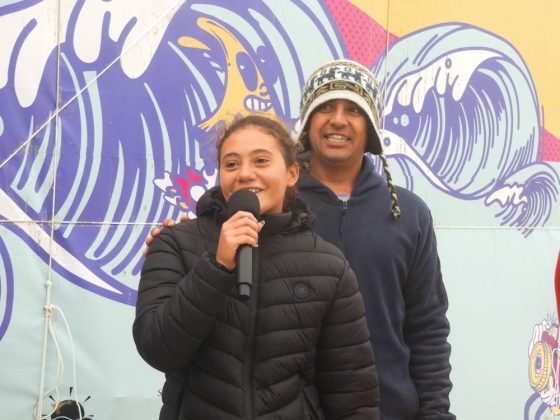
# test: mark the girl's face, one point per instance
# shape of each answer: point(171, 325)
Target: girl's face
point(252, 159)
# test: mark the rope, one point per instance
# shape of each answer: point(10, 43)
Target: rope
point(50, 312)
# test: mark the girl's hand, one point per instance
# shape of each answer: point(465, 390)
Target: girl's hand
point(240, 229)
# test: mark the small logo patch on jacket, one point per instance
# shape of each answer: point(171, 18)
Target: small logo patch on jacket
point(301, 291)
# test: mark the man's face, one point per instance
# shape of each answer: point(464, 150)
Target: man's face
point(338, 133)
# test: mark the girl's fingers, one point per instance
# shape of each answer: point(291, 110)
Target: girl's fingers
point(241, 235)
point(243, 214)
point(240, 220)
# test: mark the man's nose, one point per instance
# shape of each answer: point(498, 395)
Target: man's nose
point(339, 116)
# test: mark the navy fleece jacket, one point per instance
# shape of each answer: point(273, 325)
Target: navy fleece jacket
point(398, 271)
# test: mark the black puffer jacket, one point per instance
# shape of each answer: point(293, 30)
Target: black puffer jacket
point(297, 349)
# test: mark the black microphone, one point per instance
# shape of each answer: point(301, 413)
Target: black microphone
point(246, 258)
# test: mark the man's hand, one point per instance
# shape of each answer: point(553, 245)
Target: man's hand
point(167, 222)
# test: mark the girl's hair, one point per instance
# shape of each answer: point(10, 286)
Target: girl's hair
point(271, 126)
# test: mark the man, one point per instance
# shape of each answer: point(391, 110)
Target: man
point(389, 242)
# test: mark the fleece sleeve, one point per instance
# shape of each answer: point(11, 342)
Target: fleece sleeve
point(177, 304)
point(346, 374)
point(426, 328)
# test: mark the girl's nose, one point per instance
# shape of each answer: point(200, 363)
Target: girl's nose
point(245, 172)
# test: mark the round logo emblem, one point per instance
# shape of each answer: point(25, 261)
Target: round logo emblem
point(301, 291)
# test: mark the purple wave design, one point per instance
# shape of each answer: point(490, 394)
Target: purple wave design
point(463, 110)
point(123, 149)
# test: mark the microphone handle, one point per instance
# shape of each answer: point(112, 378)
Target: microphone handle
point(245, 264)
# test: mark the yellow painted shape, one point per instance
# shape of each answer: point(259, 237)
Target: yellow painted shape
point(187, 41)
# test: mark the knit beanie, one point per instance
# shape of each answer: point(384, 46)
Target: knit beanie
point(343, 79)
point(346, 79)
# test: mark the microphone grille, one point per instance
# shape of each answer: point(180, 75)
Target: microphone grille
point(243, 200)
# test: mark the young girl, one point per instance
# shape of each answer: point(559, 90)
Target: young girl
point(299, 347)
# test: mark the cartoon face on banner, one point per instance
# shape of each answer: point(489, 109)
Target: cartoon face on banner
point(544, 369)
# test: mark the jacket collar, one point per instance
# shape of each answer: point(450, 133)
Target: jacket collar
point(368, 178)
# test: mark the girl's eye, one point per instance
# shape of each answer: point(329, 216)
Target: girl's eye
point(261, 160)
point(230, 165)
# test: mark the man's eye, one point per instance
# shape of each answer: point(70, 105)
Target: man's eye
point(324, 107)
point(355, 111)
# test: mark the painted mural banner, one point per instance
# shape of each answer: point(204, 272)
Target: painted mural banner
point(107, 111)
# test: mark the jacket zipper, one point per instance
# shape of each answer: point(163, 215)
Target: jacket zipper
point(343, 216)
point(248, 360)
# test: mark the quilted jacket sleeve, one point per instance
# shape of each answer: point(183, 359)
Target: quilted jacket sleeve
point(346, 373)
point(177, 303)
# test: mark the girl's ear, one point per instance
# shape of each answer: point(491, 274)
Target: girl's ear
point(293, 174)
